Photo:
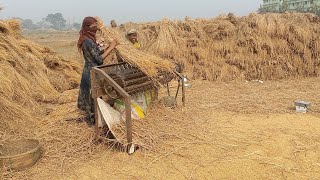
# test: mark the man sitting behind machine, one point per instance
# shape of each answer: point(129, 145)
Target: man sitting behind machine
point(132, 36)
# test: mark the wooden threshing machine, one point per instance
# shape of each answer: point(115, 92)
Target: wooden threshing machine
point(122, 81)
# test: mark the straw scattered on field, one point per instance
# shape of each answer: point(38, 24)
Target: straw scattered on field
point(38, 91)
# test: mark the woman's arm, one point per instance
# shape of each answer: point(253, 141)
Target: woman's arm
point(109, 48)
point(92, 53)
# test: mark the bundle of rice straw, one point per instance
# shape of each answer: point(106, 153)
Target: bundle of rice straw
point(150, 64)
point(15, 25)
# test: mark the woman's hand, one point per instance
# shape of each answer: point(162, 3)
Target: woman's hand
point(109, 48)
point(113, 43)
point(103, 48)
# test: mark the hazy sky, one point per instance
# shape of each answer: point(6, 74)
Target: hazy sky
point(125, 10)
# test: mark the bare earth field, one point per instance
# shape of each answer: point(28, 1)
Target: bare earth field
point(64, 43)
point(234, 130)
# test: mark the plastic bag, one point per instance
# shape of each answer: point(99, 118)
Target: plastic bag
point(107, 115)
point(136, 111)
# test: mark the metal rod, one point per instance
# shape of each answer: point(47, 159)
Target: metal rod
point(179, 75)
point(177, 89)
point(157, 94)
point(168, 90)
point(183, 93)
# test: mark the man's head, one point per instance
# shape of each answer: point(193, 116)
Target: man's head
point(113, 23)
point(132, 35)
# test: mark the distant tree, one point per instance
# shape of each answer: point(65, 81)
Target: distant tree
point(266, 9)
point(18, 18)
point(262, 9)
point(317, 12)
point(315, 9)
point(28, 24)
point(300, 8)
point(57, 21)
point(76, 25)
point(43, 24)
point(284, 6)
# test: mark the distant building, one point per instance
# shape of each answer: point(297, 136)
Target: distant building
point(290, 6)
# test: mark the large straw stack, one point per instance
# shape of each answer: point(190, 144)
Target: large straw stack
point(258, 46)
point(37, 96)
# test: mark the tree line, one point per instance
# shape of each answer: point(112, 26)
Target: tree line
point(54, 21)
point(285, 7)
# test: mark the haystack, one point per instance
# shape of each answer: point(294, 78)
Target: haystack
point(30, 74)
point(258, 46)
point(37, 96)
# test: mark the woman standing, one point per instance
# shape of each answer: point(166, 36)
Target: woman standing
point(93, 56)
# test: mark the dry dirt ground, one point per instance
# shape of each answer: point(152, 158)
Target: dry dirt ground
point(249, 131)
point(64, 43)
point(244, 130)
